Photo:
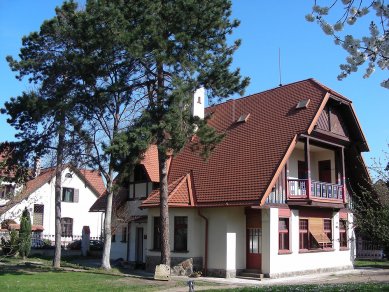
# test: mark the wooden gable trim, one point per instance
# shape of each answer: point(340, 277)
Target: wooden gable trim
point(279, 169)
point(318, 113)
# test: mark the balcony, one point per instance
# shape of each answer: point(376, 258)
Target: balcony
point(298, 190)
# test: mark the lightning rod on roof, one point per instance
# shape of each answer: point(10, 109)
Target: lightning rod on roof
point(279, 65)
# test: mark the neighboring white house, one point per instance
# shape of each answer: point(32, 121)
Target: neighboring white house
point(80, 189)
point(273, 197)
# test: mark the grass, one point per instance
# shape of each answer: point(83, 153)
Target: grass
point(326, 288)
point(36, 274)
point(382, 264)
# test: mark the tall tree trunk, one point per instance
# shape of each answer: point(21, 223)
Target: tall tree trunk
point(58, 186)
point(164, 209)
point(105, 261)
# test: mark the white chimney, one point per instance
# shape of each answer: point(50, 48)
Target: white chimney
point(37, 167)
point(198, 103)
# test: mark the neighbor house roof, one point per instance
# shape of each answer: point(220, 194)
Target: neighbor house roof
point(244, 166)
point(92, 179)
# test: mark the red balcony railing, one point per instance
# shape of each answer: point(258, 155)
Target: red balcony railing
point(298, 189)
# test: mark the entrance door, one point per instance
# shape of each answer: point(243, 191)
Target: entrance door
point(139, 245)
point(254, 240)
point(325, 171)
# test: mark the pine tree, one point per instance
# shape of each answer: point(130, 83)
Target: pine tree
point(182, 45)
point(25, 234)
point(47, 116)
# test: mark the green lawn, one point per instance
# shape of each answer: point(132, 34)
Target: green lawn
point(326, 288)
point(37, 275)
point(382, 264)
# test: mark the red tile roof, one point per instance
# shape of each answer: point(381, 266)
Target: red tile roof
point(181, 194)
point(150, 163)
point(241, 168)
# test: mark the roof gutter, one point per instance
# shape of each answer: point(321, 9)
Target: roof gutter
point(206, 242)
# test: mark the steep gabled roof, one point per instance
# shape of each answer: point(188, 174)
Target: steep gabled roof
point(180, 194)
point(91, 178)
point(243, 167)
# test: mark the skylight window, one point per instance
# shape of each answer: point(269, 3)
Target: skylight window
point(303, 103)
point(243, 118)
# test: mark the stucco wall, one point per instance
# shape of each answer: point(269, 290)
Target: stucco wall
point(79, 212)
point(315, 157)
point(275, 264)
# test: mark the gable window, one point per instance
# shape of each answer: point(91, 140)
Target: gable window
point(38, 214)
point(343, 233)
point(6, 191)
point(70, 195)
point(157, 234)
point(315, 233)
point(67, 227)
point(67, 195)
point(124, 234)
point(140, 186)
point(283, 234)
point(180, 233)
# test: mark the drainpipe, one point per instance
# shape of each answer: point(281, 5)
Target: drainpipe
point(206, 242)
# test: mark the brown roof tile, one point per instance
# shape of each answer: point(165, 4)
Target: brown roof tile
point(241, 168)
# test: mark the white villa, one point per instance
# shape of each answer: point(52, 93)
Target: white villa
point(80, 189)
point(273, 198)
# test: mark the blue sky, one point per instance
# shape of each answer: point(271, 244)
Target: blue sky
point(266, 27)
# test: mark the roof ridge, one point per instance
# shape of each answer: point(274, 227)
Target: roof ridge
point(265, 91)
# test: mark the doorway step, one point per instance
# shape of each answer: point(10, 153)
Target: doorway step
point(251, 274)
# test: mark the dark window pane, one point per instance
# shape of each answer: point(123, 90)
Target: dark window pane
point(180, 233)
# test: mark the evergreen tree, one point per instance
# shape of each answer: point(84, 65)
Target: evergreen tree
point(182, 45)
point(25, 234)
point(47, 116)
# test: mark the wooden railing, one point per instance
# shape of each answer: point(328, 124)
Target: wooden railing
point(298, 189)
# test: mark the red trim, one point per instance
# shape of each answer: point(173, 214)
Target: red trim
point(284, 212)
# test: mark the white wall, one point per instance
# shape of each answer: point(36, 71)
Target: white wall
point(275, 264)
point(195, 232)
point(315, 157)
point(79, 212)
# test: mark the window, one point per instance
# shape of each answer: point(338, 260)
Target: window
point(6, 191)
point(328, 232)
point(124, 234)
point(283, 234)
point(67, 195)
point(67, 227)
point(343, 233)
point(140, 174)
point(304, 234)
point(113, 237)
point(157, 234)
point(254, 240)
point(302, 169)
point(315, 233)
point(68, 175)
point(38, 214)
point(180, 233)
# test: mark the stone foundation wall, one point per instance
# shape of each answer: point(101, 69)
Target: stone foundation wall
point(221, 273)
point(152, 261)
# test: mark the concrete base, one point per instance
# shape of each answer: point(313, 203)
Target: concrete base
point(307, 272)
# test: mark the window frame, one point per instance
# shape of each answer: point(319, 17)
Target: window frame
point(284, 245)
point(64, 197)
point(157, 233)
point(180, 234)
point(65, 227)
point(343, 227)
point(124, 234)
point(312, 244)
